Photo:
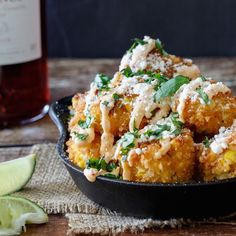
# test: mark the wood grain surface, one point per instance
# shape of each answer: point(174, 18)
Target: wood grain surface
point(70, 76)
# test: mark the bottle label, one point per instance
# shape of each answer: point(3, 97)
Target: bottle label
point(20, 31)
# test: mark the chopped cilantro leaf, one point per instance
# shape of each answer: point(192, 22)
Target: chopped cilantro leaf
point(127, 142)
point(203, 78)
point(80, 136)
point(127, 72)
point(136, 43)
point(158, 132)
point(206, 142)
point(116, 96)
point(102, 82)
point(105, 103)
point(170, 87)
point(177, 131)
point(160, 47)
point(112, 176)
point(85, 124)
point(100, 164)
point(203, 95)
point(177, 123)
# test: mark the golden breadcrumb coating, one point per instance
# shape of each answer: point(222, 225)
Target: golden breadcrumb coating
point(217, 166)
point(80, 154)
point(208, 118)
point(177, 165)
point(77, 107)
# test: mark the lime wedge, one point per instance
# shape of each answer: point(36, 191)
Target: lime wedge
point(15, 212)
point(15, 174)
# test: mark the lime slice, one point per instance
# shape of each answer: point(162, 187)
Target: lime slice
point(15, 174)
point(15, 212)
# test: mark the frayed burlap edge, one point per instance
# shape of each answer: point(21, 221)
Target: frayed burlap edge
point(113, 225)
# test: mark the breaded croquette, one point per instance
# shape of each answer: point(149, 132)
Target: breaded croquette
point(218, 157)
point(205, 106)
point(159, 153)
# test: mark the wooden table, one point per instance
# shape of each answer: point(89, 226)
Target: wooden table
point(66, 78)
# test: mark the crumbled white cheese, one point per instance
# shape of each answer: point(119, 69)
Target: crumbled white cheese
point(158, 63)
point(220, 141)
point(138, 151)
point(212, 89)
point(136, 59)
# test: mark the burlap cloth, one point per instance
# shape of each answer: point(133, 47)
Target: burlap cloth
point(53, 189)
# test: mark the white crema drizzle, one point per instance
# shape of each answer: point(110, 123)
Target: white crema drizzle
point(189, 91)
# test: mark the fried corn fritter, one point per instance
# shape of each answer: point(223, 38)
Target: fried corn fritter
point(139, 124)
point(205, 106)
point(81, 154)
point(162, 153)
point(218, 156)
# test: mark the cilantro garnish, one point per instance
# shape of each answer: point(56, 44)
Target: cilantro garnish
point(203, 78)
point(100, 164)
point(85, 124)
point(127, 72)
point(116, 96)
point(203, 95)
point(160, 47)
point(174, 118)
point(152, 76)
point(102, 82)
point(158, 132)
point(177, 123)
point(105, 103)
point(136, 43)
point(79, 136)
point(170, 87)
point(127, 142)
point(111, 176)
point(206, 142)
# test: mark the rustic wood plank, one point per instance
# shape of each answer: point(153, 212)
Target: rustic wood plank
point(58, 226)
point(42, 131)
point(11, 153)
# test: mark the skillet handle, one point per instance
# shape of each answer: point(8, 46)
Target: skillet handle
point(58, 112)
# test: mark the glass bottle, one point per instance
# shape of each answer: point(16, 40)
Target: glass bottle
point(24, 92)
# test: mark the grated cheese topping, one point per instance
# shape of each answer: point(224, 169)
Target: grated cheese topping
point(136, 58)
point(220, 141)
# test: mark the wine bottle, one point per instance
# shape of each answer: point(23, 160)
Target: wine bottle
point(24, 93)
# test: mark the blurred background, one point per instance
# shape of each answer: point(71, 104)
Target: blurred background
point(103, 28)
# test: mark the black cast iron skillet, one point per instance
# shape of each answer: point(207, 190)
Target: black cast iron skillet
point(155, 200)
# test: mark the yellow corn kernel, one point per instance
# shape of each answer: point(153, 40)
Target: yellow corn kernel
point(140, 172)
point(230, 155)
point(80, 161)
